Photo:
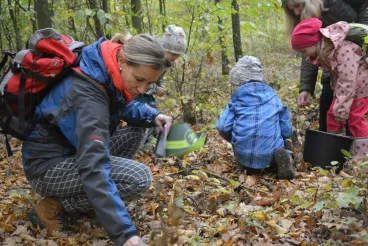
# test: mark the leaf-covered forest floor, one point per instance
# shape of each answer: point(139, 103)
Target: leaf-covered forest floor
point(201, 200)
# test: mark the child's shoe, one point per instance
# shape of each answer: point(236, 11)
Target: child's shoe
point(285, 164)
point(240, 168)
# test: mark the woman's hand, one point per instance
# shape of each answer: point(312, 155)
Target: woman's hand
point(134, 241)
point(304, 99)
point(162, 120)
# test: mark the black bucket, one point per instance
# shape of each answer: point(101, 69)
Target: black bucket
point(321, 148)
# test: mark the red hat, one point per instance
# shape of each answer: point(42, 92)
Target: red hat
point(306, 34)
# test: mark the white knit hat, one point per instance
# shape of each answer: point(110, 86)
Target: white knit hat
point(174, 40)
point(248, 68)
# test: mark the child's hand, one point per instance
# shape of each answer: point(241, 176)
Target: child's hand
point(161, 91)
point(338, 119)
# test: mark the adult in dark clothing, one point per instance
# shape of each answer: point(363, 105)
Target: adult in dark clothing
point(94, 170)
point(329, 12)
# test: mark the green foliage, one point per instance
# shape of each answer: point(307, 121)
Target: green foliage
point(318, 206)
point(346, 153)
point(196, 76)
point(350, 194)
point(349, 197)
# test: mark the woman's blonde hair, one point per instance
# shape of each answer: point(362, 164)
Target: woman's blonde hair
point(312, 8)
point(141, 50)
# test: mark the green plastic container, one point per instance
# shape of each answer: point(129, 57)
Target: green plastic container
point(180, 141)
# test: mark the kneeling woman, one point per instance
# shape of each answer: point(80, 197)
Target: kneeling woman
point(76, 158)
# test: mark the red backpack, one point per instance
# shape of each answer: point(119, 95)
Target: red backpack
point(32, 72)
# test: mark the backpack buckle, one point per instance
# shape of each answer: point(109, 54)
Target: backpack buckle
point(15, 68)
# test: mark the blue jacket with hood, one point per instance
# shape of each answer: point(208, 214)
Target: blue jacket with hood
point(74, 113)
point(256, 123)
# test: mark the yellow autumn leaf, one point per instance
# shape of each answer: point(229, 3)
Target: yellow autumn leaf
point(7, 227)
point(193, 177)
point(171, 204)
point(27, 237)
point(153, 207)
point(220, 212)
point(260, 215)
point(278, 229)
point(220, 229)
point(215, 180)
point(201, 174)
point(347, 183)
point(189, 210)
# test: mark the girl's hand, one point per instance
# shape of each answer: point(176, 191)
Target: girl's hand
point(338, 119)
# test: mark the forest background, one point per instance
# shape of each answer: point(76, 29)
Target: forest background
point(199, 199)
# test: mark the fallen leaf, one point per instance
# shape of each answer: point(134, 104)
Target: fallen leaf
point(193, 177)
point(27, 237)
point(278, 229)
point(266, 201)
point(230, 243)
point(286, 224)
point(153, 207)
point(250, 181)
point(260, 215)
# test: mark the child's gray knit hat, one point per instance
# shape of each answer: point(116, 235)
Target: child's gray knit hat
point(248, 68)
point(174, 40)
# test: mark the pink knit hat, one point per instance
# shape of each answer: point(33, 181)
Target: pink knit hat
point(306, 34)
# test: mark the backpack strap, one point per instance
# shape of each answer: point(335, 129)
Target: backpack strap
point(9, 151)
point(21, 99)
point(5, 58)
point(102, 88)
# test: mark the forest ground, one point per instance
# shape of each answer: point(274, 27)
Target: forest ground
point(201, 200)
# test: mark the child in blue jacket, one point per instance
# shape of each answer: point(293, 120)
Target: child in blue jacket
point(256, 123)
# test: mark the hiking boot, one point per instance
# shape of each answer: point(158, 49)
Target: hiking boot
point(285, 164)
point(48, 214)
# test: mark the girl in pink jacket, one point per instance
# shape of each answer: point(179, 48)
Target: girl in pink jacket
point(328, 49)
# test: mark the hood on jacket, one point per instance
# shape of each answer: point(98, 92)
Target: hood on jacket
point(93, 65)
point(336, 32)
point(99, 62)
point(253, 93)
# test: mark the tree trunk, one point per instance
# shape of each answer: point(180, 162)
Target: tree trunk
point(89, 25)
point(7, 35)
point(105, 8)
point(1, 33)
point(34, 24)
point(98, 26)
point(236, 30)
point(163, 13)
point(15, 26)
point(136, 6)
point(71, 24)
point(126, 15)
point(149, 19)
point(224, 58)
point(42, 14)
